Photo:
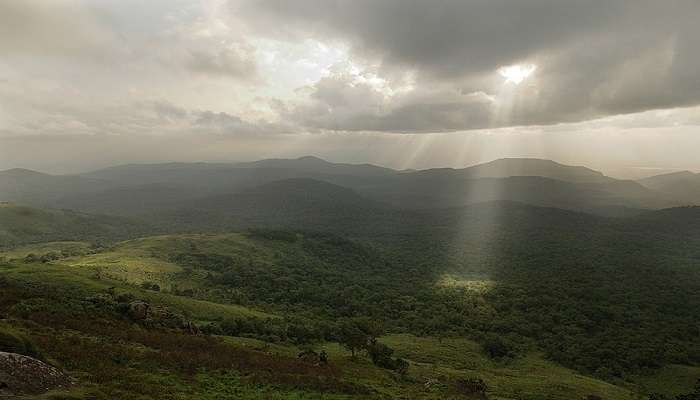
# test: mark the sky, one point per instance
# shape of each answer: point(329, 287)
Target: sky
point(614, 85)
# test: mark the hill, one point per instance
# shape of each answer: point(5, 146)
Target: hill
point(294, 203)
point(683, 186)
point(319, 166)
point(44, 190)
point(20, 224)
point(509, 167)
point(445, 188)
point(659, 181)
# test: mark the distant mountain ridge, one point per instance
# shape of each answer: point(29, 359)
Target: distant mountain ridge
point(510, 167)
point(683, 186)
point(140, 189)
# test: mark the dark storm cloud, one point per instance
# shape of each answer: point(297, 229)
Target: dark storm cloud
point(594, 58)
point(445, 37)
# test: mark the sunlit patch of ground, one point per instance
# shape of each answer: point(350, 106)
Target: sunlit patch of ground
point(128, 267)
point(476, 286)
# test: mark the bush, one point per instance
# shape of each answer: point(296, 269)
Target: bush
point(472, 387)
point(148, 285)
point(31, 258)
point(380, 354)
point(496, 347)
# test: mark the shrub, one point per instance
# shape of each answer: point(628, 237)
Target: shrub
point(148, 285)
point(496, 347)
point(472, 387)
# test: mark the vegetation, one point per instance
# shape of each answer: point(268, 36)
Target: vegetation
point(310, 289)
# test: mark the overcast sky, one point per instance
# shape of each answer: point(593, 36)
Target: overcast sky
point(612, 84)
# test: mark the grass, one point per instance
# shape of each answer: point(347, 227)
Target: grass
point(529, 377)
point(77, 276)
point(443, 361)
point(147, 259)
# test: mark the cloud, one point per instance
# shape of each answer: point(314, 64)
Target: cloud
point(593, 58)
point(341, 102)
point(336, 77)
point(230, 62)
point(61, 28)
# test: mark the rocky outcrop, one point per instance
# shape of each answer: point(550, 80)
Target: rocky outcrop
point(138, 310)
point(22, 375)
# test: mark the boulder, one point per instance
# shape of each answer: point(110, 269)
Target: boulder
point(22, 375)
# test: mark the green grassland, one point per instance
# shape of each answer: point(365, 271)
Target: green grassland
point(64, 307)
point(21, 225)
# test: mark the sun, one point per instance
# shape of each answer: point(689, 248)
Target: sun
point(517, 73)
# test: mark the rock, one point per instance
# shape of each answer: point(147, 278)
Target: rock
point(22, 375)
point(138, 310)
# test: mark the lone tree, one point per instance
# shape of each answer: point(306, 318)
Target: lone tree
point(357, 334)
point(351, 337)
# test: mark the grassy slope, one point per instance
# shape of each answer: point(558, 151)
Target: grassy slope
point(20, 225)
point(81, 272)
point(131, 262)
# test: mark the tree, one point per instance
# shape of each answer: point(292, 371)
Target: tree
point(351, 337)
point(358, 333)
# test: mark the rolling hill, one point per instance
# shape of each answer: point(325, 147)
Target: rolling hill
point(509, 167)
point(21, 224)
point(439, 188)
point(683, 186)
point(44, 190)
